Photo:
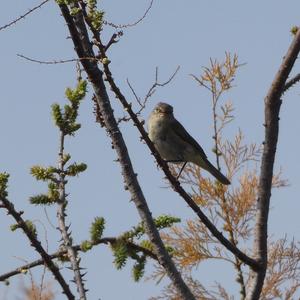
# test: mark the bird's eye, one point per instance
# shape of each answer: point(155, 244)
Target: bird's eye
point(157, 110)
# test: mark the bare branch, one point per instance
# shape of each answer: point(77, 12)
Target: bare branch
point(138, 100)
point(54, 62)
point(201, 82)
point(151, 91)
point(160, 84)
point(118, 26)
point(23, 16)
point(272, 108)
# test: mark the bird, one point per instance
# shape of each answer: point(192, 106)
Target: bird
point(175, 144)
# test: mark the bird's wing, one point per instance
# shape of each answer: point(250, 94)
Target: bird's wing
point(183, 134)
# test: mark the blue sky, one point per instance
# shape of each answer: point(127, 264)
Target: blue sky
point(185, 33)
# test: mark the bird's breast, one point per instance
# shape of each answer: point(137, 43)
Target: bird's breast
point(157, 129)
point(160, 133)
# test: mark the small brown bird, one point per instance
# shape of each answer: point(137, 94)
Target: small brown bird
point(174, 143)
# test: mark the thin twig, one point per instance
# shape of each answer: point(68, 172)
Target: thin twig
point(130, 24)
point(160, 84)
point(152, 89)
point(54, 62)
point(41, 288)
point(291, 82)
point(33, 286)
point(138, 100)
point(201, 82)
point(23, 16)
point(48, 219)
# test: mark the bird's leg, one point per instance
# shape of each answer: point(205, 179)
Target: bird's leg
point(177, 177)
point(177, 161)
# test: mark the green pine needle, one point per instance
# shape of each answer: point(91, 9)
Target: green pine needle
point(41, 199)
point(74, 169)
point(3, 184)
point(120, 253)
point(97, 229)
point(41, 173)
point(138, 269)
point(86, 246)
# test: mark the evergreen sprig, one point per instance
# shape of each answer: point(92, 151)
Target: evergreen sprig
point(65, 119)
point(95, 15)
point(66, 2)
point(74, 169)
point(147, 245)
point(42, 173)
point(47, 199)
point(138, 269)
point(41, 199)
point(97, 229)
point(161, 222)
point(3, 184)
point(31, 227)
point(66, 158)
point(294, 30)
point(86, 246)
point(120, 252)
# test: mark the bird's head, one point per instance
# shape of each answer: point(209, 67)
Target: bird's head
point(163, 109)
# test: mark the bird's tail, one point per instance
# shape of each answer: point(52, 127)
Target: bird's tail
point(216, 173)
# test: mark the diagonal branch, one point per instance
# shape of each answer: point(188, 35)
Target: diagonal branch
point(272, 108)
point(83, 48)
point(46, 258)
